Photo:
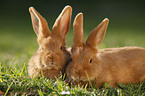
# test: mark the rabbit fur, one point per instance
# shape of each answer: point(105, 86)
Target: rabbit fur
point(51, 57)
point(113, 65)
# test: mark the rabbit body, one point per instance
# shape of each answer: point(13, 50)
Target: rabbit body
point(121, 65)
point(51, 57)
point(113, 65)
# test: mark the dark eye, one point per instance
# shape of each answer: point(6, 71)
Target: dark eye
point(91, 60)
point(61, 47)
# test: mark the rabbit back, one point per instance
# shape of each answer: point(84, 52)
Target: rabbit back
point(122, 65)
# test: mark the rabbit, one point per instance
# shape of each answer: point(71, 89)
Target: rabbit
point(51, 57)
point(94, 66)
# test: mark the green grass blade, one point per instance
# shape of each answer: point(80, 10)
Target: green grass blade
point(8, 89)
point(40, 93)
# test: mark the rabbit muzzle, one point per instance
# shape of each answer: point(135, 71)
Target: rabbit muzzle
point(49, 62)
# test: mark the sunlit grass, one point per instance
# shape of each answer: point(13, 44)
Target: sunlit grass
point(17, 82)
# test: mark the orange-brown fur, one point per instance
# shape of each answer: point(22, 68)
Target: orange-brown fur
point(51, 57)
point(113, 65)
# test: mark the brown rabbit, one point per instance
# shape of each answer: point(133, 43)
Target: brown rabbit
point(51, 57)
point(113, 65)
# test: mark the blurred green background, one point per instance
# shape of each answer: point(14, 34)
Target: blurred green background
point(18, 40)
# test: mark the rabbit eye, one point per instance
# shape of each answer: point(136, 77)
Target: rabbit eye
point(91, 60)
point(61, 48)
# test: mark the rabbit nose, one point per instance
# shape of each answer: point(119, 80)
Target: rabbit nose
point(50, 56)
point(79, 76)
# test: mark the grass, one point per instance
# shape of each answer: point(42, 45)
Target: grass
point(17, 82)
point(18, 45)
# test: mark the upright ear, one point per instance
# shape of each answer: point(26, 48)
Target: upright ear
point(40, 25)
point(62, 23)
point(97, 35)
point(78, 40)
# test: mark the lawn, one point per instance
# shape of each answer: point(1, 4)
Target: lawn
point(18, 44)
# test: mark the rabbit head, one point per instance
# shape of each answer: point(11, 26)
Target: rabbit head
point(84, 65)
point(51, 57)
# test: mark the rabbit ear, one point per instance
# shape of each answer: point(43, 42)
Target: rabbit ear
point(78, 31)
point(40, 25)
point(97, 35)
point(62, 23)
